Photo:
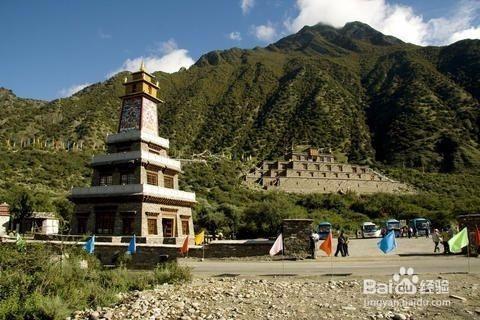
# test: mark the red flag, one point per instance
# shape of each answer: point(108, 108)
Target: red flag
point(327, 245)
point(184, 248)
point(477, 237)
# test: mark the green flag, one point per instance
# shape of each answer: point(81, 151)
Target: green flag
point(459, 241)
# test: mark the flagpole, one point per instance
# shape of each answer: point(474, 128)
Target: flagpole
point(283, 257)
point(468, 253)
point(331, 266)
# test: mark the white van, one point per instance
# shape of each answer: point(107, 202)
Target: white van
point(370, 230)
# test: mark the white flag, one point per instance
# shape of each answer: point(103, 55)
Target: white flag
point(277, 246)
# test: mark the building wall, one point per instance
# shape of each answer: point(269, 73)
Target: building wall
point(142, 212)
point(321, 177)
point(88, 209)
point(4, 221)
point(311, 185)
point(161, 211)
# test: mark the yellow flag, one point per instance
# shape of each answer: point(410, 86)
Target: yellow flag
point(200, 238)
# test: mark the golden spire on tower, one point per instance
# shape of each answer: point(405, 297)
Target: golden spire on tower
point(142, 66)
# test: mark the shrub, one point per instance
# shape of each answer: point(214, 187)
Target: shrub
point(44, 283)
point(171, 273)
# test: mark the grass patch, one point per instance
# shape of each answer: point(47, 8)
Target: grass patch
point(42, 283)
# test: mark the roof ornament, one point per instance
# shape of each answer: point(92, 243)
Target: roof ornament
point(142, 67)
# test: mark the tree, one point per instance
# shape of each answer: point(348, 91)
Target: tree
point(232, 217)
point(22, 207)
point(64, 208)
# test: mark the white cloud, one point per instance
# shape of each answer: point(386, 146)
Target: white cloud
point(103, 35)
point(393, 19)
point(167, 58)
point(471, 33)
point(67, 92)
point(235, 35)
point(265, 33)
point(246, 5)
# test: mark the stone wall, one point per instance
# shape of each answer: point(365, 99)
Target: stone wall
point(296, 237)
point(312, 185)
point(149, 255)
point(302, 176)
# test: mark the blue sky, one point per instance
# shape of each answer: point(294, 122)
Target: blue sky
point(52, 48)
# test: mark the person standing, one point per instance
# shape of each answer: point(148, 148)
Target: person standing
point(314, 237)
point(436, 239)
point(345, 245)
point(340, 245)
point(410, 231)
point(445, 237)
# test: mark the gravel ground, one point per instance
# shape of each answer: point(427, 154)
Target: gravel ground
point(284, 297)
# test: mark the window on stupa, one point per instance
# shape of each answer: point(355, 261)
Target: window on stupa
point(82, 224)
point(168, 181)
point(152, 178)
point(185, 227)
point(167, 225)
point(127, 178)
point(128, 225)
point(106, 180)
point(152, 226)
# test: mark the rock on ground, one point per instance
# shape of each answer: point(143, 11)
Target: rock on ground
point(286, 298)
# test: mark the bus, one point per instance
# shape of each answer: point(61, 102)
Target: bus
point(324, 228)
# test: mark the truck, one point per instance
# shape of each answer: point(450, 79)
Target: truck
point(393, 224)
point(370, 230)
point(420, 226)
point(324, 228)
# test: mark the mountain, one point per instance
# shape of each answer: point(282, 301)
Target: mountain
point(369, 96)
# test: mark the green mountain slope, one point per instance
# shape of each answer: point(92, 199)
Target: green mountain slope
point(372, 97)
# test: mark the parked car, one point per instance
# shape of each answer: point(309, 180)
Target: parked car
point(324, 228)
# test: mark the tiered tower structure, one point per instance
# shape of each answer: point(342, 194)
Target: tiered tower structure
point(311, 170)
point(134, 188)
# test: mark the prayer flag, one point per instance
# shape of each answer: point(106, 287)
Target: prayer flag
point(327, 245)
point(184, 248)
point(388, 242)
point(277, 246)
point(459, 241)
point(90, 245)
point(200, 238)
point(132, 246)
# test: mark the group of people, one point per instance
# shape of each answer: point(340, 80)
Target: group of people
point(342, 244)
point(443, 237)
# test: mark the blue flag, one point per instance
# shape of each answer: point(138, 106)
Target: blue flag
point(90, 245)
point(132, 246)
point(388, 242)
